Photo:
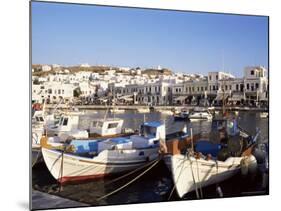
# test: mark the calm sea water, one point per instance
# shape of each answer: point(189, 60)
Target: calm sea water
point(157, 184)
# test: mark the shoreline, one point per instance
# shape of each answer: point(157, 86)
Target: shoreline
point(157, 108)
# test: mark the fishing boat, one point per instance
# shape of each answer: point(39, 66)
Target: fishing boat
point(89, 159)
point(183, 115)
point(143, 110)
point(117, 111)
point(206, 162)
point(166, 112)
point(108, 127)
point(263, 115)
point(68, 126)
point(200, 114)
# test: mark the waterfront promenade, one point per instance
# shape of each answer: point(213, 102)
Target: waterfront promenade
point(135, 107)
point(42, 200)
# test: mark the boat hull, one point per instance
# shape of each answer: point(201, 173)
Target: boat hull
point(190, 174)
point(36, 156)
point(108, 162)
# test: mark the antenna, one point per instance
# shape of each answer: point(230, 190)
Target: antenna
point(222, 59)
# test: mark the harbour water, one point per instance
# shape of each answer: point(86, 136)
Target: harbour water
point(157, 184)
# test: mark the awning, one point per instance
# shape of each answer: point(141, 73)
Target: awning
point(236, 97)
point(221, 96)
point(126, 98)
point(180, 98)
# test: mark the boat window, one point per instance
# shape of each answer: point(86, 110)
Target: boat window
point(97, 124)
point(112, 125)
point(148, 131)
point(65, 121)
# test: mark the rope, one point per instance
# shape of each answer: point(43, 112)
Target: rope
point(60, 189)
point(127, 184)
point(36, 158)
point(196, 189)
point(200, 185)
point(217, 185)
point(128, 174)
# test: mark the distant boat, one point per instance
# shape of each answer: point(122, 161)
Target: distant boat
point(117, 111)
point(166, 112)
point(200, 114)
point(68, 126)
point(182, 115)
point(263, 115)
point(143, 110)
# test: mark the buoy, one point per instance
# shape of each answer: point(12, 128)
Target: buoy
point(219, 191)
point(248, 165)
point(244, 167)
point(253, 165)
point(184, 129)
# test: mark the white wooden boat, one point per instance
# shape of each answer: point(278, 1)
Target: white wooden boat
point(68, 126)
point(166, 112)
point(211, 163)
point(101, 157)
point(143, 110)
point(190, 173)
point(263, 115)
point(117, 111)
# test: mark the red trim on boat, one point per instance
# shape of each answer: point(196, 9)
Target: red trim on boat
point(67, 179)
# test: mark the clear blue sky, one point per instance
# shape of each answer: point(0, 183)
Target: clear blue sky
point(189, 42)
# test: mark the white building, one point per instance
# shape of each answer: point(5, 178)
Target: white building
point(256, 84)
point(46, 68)
point(53, 92)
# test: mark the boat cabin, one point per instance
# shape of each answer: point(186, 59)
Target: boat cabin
point(229, 126)
point(67, 123)
point(150, 134)
point(106, 127)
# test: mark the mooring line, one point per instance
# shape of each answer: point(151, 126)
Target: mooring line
point(129, 173)
point(127, 184)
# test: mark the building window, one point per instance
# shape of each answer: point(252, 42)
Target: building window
point(198, 89)
point(237, 87)
point(214, 88)
point(59, 91)
point(210, 77)
point(252, 72)
point(248, 86)
point(217, 77)
point(225, 87)
point(192, 89)
point(62, 91)
point(257, 85)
